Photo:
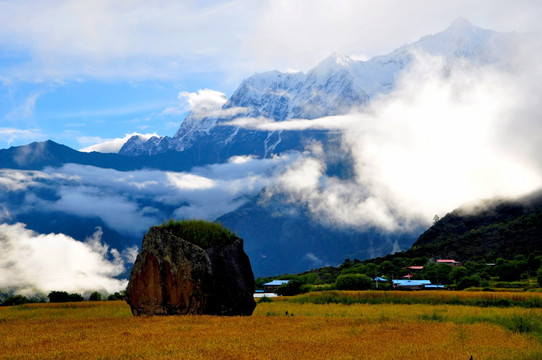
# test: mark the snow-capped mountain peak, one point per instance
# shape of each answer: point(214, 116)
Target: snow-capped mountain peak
point(461, 26)
point(463, 40)
point(332, 87)
point(333, 62)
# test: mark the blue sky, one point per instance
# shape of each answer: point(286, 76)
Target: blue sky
point(83, 72)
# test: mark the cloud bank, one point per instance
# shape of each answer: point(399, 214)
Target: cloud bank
point(31, 262)
point(444, 137)
point(142, 39)
point(132, 201)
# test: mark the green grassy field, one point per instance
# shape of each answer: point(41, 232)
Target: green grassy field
point(287, 328)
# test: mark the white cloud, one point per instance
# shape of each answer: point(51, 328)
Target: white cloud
point(200, 103)
point(109, 145)
point(9, 135)
point(119, 212)
point(16, 180)
point(299, 34)
point(26, 109)
point(142, 39)
point(128, 40)
point(31, 262)
point(262, 123)
point(184, 181)
point(205, 103)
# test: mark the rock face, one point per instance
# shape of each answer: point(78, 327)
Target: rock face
point(174, 276)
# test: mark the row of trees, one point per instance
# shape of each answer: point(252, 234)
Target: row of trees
point(60, 297)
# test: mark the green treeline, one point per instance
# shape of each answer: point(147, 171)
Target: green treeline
point(57, 297)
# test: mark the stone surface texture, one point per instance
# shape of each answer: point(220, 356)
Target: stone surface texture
point(172, 276)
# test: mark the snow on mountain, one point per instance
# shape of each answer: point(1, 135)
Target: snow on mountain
point(336, 85)
point(137, 145)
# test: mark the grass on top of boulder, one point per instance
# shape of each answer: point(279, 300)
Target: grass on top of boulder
point(202, 233)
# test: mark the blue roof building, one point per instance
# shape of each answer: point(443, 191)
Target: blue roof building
point(272, 286)
point(410, 284)
point(276, 283)
point(434, 287)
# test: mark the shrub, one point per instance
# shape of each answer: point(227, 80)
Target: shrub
point(510, 284)
point(15, 300)
point(353, 282)
point(117, 296)
point(305, 288)
point(201, 233)
point(264, 299)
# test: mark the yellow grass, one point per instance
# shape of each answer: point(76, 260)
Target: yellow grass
point(441, 295)
point(107, 330)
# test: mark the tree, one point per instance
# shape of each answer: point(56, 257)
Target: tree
point(509, 270)
point(62, 296)
point(95, 296)
point(458, 273)
point(75, 297)
point(370, 269)
point(353, 282)
point(117, 296)
point(539, 277)
point(387, 267)
point(58, 296)
point(467, 282)
point(293, 287)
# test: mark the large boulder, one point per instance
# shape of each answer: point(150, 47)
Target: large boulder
point(191, 267)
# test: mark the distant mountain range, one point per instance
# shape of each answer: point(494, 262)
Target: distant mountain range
point(280, 236)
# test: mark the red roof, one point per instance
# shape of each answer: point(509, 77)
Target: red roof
point(446, 261)
point(408, 276)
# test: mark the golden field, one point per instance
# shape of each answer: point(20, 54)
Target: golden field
point(278, 330)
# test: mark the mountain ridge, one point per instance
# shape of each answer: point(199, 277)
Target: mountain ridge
point(332, 87)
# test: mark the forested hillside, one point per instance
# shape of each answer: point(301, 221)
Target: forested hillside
point(497, 229)
point(498, 244)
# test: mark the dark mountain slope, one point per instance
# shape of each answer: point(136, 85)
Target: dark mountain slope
point(499, 229)
point(38, 155)
point(290, 241)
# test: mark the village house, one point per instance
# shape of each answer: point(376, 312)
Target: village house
point(413, 268)
point(410, 284)
point(448, 262)
point(272, 286)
